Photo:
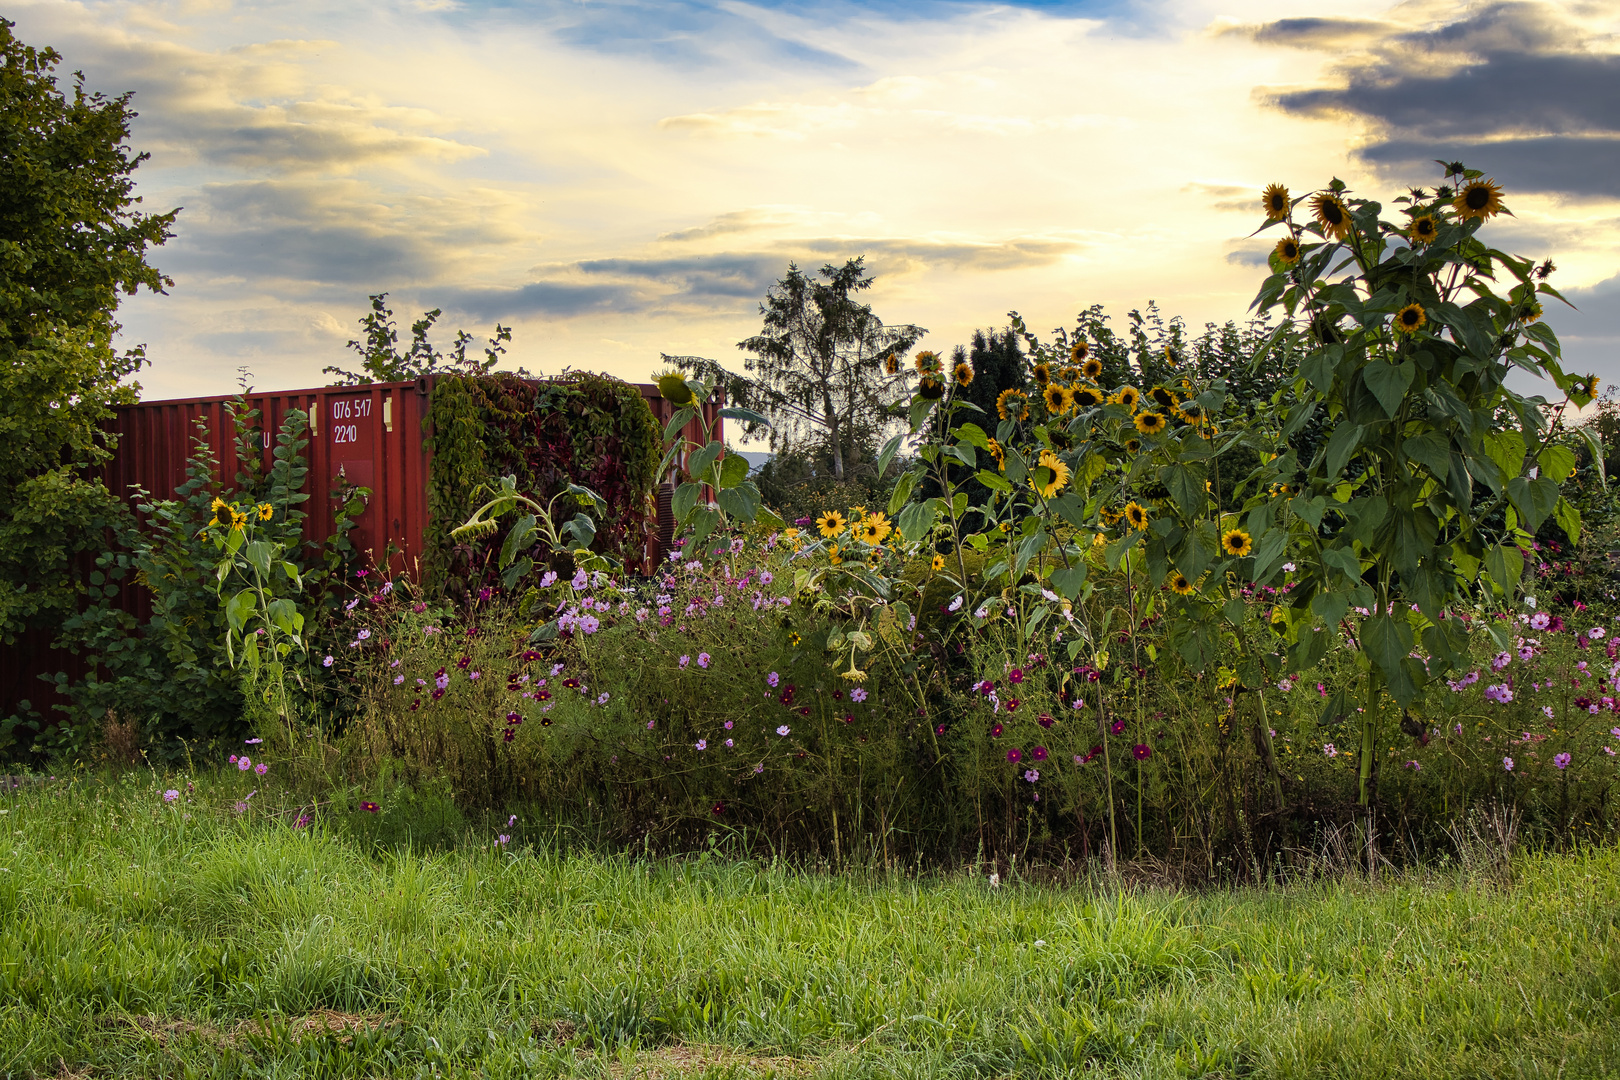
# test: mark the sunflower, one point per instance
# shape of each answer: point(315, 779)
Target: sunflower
point(1042, 374)
point(1237, 543)
point(1170, 356)
point(930, 388)
point(1274, 201)
point(833, 556)
point(1423, 230)
point(1163, 397)
point(1012, 405)
point(1086, 397)
point(1000, 454)
point(1479, 199)
point(1109, 515)
point(239, 520)
point(1128, 396)
point(875, 528)
point(891, 364)
point(221, 510)
point(1191, 412)
point(1060, 475)
point(964, 374)
point(1286, 251)
point(1530, 312)
point(1091, 368)
point(1079, 350)
point(1136, 514)
point(1589, 386)
point(1150, 423)
point(1069, 373)
point(1180, 585)
point(1331, 214)
point(1410, 319)
point(1058, 398)
point(266, 511)
point(1132, 445)
point(939, 561)
point(830, 523)
point(927, 361)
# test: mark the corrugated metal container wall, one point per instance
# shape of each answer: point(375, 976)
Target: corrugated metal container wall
point(370, 435)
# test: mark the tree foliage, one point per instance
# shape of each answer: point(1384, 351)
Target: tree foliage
point(70, 243)
point(381, 360)
point(821, 363)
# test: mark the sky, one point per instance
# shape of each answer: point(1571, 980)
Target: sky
point(616, 179)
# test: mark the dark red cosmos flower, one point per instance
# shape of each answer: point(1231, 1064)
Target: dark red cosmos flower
point(508, 734)
point(1011, 704)
point(849, 718)
point(1583, 703)
point(939, 729)
point(838, 695)
point(417, 704)
point(1141, 751)
point(1116, 727)
point(1015, 676)
point(804, 710)
point(1015, 755)
point(463, 662)
point(1556, 626)
point(369, 807)
point(438, 692)
point(718, 809)
point(987, 687)
point(438, 673)
point(801, 754)
point(1039, 753)
point(542, 694)
point(572, 684)
point(1094, 751)
point(1045, 720)
point(996, 730)
point(545, 721)
point(514, 718)
point(530, 656)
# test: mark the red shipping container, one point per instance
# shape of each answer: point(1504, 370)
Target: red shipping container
point(371, 435)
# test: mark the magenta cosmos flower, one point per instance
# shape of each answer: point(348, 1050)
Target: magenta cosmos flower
point(1141, 751)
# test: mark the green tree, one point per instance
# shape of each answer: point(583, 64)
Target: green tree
point(381, 361)
point(822, 364)
point(70, 243)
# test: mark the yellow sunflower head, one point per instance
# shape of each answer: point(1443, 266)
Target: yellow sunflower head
point(1479, 199)
point(1163, 397)
point(1012, 404)
point(999, 453)
point(1086, 397)
point(1274, 201)
point(1191, 411)
point(239, 520)
point(1180, 585)
point(875, 528)
point(1589, 386)
point(1058, 398)
point(1530, 312)
point(964, 374)
point(1092, 368)
point(1150, 423)
point(1236, 543)
point(1132, 445)
point(1109, 515)
point(1287, 251)
point(1136, 515)
point(1170, 356)
point(221, 510)
point(1410, 319)
point(927, 361)
point(1069, 373)
point(833, 556)
point(1049, 485)
point(1423, 229)
point(931, 388)
point(1331, 214)
point(1078, 351)
point(939, 561)
point(1042, 374)
point(830, 523)
point(266, 511)
point(1128, 396)
point(891, 364)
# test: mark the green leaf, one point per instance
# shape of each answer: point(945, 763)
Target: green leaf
point(1068, 581)
point(1389, 383)
point(741, 502)
point(1533, 499)
point(697, 466)
point(993, 481)
point(1069, 508)
point(1308, 510)
point(1268, 551)
point(681, 418)
point(1594, 446)
point(1387, 641)
point(920, 408)
point(685, 500)
point(240, 608)
point(1504, 564)
point(1341, 444)
point(1198, 550)
point(902, 492)
point(1432, 449)
point(1464, 561)
point(1556, 462)
point(1343, 559)
point(1330, 607)
point(1569, 519)
point(1505, 447)
point(733, 470)
point(747, 416)
point(916, 519)
point(886, 455)
point(704, 522)
point(974, 435)
point(1186, 484)
point(518, 538)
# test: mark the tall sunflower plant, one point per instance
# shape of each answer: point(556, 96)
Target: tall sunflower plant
point(1437, 473)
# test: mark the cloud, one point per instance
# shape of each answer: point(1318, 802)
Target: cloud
point(1528, 91)
point(732, 281)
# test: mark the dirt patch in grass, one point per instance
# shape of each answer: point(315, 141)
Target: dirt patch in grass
point(320, 1022)
point(683, 1059)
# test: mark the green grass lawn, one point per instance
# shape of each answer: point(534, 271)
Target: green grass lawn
point(135, 940)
